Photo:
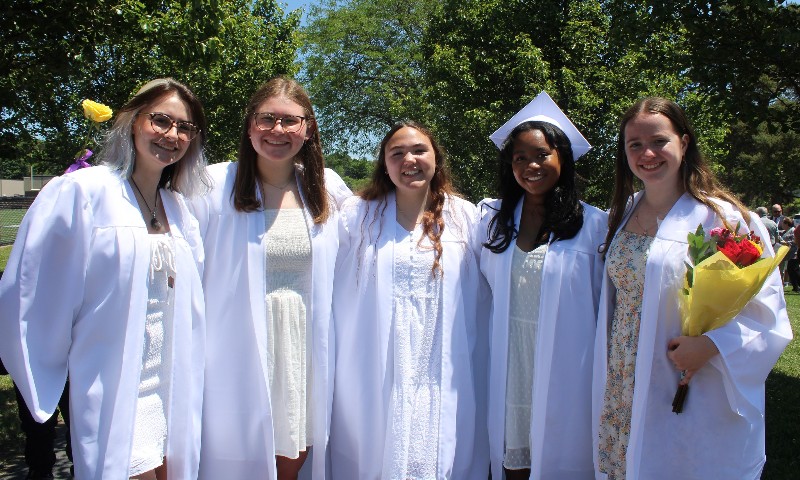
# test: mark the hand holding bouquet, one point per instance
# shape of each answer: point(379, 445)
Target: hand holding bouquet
point(727, 271)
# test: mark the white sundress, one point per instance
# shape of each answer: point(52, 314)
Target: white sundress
point(152, 406)
point(411, 451)
point(523, 323)
point(288, 282)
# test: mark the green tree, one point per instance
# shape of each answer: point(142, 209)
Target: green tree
point(355, 172)
point(746, 55)
point(364, 68)
point(489, 58)
point(58, 53)
point(765, 165)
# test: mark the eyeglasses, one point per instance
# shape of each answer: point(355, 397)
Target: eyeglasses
point(163, 123)
point(268, 121)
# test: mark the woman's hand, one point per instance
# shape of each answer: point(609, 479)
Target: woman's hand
point(690, 354)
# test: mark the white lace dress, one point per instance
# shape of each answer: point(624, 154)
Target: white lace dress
point(288, 281)
point(411, 452)
point(523, 322)
point(150, 429)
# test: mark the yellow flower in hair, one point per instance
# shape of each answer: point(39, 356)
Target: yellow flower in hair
point(96, 112)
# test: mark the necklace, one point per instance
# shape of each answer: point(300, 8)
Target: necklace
point(659, 217)
point(646, 230)
point(153, 220)
point(279, 187)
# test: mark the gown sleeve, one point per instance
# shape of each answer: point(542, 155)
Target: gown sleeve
point(752, 342)
point(41, 292)
point(336, 187)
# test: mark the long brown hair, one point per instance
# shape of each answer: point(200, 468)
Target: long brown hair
point(697, 178)
point(312, 172)
point(440, 187)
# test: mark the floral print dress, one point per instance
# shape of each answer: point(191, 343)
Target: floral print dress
point(626, 262)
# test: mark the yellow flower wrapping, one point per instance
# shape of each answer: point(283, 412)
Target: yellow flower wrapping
point(721, 290)
point(96, 112)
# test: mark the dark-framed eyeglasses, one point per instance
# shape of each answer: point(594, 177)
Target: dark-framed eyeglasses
point(163, 123)
point(268, 121)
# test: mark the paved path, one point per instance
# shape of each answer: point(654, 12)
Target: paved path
point(12, 464)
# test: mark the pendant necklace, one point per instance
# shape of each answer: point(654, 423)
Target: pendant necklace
point(153, 220)
point(646, 231)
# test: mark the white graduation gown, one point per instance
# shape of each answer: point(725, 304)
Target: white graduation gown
point(237, 417)
point(363, 307)
point(720, 434)
point(561, 425)
point(73, 300)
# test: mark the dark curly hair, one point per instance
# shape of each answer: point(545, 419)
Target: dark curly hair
point(564, 212)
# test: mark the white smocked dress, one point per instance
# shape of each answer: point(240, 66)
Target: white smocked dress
point(415, 406)
point(523, 322)
point(150, 429)
point(288, 283)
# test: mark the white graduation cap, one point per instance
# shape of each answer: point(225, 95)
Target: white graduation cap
point(544, 109)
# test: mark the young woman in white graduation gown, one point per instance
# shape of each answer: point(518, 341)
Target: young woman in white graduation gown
point(103, 286)
point(409, 311)
point(270, 234)
point(541, 258)
point(640, 352)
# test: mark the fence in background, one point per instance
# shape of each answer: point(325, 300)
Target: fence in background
point(16, 197)
point(12, 209)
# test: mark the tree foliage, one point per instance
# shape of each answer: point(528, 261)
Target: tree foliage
point(475, 63)
point(355, 172)
point(58, 53)
point(489, 59)
point(363, 67)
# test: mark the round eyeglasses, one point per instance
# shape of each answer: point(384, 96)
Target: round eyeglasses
point(163, 123)
point(289, 123)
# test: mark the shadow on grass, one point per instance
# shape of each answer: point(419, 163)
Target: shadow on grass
point(12, 441)
point(11, 438)
point(783, 427)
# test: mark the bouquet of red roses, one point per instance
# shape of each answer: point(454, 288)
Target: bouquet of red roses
point(726, 272)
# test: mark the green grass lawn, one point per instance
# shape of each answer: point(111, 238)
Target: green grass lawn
point(9, 221)
point(11, 439)
point(5, 251)
point(783, 405)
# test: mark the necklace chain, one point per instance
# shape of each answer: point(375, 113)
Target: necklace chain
point(153, 220)
point(646, 230)
point(658, 216)
point(279, 187)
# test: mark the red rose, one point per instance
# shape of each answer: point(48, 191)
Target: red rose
point(749, 253)
point(731, 249)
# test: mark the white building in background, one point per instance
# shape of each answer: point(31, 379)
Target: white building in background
point(29, 186)
point(12, 188)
